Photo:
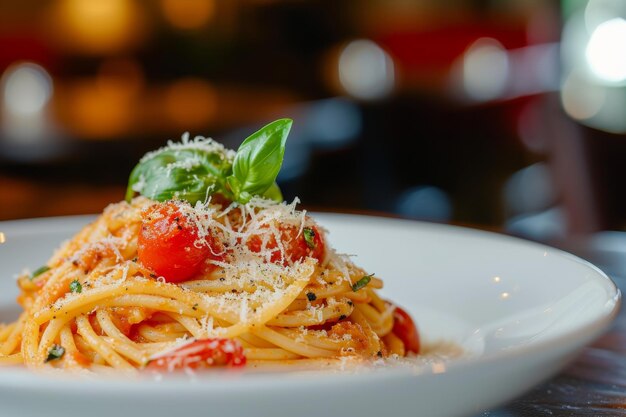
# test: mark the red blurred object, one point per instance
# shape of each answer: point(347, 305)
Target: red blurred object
point(419, 51)
point(25, 47)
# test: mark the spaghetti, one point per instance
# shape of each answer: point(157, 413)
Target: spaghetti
point(170, 284)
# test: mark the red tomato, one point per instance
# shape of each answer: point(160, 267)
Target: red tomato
point(296, 247)
point(201, 354)
point(404, 328)
point(167, 244)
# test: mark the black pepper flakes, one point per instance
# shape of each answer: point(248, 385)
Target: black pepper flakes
point(311, 296)
point(342, 317)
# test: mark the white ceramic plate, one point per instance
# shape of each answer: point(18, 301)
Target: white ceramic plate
point(520, 310)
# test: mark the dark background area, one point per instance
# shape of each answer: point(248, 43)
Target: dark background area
point(500, 114)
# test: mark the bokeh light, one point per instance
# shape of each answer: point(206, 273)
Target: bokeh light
point(96, 27)
point(581, 99)
point(96, 112)
point(606, 51)
point(597, 12)
point(485, 70)
point(190, 103)
point(425, 203)
point(27, 89)
point(366, 71)
point(188, 14)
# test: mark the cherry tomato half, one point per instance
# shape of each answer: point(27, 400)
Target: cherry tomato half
point(167, 244)
point(404, 328)
point(309, 242)
point(201, 354)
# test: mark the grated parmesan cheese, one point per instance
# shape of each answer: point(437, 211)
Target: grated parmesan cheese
point(199, 143)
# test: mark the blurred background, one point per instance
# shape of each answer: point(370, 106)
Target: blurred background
point(503, 114)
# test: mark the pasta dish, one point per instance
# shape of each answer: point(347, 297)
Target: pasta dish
point(204, 265)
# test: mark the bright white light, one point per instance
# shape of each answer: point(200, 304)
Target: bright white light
point(366, 71)
point(599, 11)
point(485, 69)
point(606, 51)
point(27, 89)
point(581, 99)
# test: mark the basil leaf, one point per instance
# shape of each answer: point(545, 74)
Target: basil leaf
point(186, 174)
point(55, 352)
point(258, 161)
point(274, 193)
point(362, 282)
point(76, 287)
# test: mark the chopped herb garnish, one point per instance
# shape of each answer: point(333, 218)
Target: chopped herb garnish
point(76, 287)
point(55, 352)
point(39, 271)
point(311, 296)
point(362, 282)
point(309, 237)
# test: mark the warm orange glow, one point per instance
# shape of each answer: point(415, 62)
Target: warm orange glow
point(188, 14)
point(100, 108)
point(107, 105)
point(96, 26)
point(190, 103)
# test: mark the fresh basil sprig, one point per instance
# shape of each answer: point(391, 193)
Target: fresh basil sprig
point(258, 161)
point(195, 173)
